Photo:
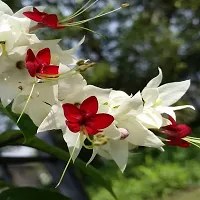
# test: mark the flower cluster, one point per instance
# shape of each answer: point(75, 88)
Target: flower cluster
point(44, 81)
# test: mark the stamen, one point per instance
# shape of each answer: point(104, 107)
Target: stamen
point(191, 142)
point(78, 13)
point(82, 65)
point(101, 14)
point(64, 171)
point(29, 97)
point(100, 139)
point(3, 47)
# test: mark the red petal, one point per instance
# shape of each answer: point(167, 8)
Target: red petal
point(89, 106)
point(73, 127)
point(31, 63)
point(33, 16)
point(72, 113)
point(91, 131)
point(50, 20)
point(30, 57)
point(172, 120)
point(44, 56)
point(51, 69)
point(100, 121)
point(32, 68)
point(183, 130)
point(179, 131)
point(178, 142)
point(35, 10)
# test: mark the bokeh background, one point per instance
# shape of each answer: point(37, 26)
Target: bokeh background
point(137, 40)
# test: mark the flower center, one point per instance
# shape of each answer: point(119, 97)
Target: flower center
point(20, 65)
point(158, 102)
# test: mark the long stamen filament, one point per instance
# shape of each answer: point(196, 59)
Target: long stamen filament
point(191, 142)
point(78, 12)
point(49, 78)
point(90, 31)
point(29, 97)
point(194, 138)
point(87, 20)
point(67, 165)
point(87, 147)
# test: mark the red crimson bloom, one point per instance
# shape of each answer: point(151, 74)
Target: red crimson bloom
point(176, 132)
point(85, 117)
point(50, 20)
point(40, 64)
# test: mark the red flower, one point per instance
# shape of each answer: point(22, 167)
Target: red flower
point(85, 116)
point(40, 64)
point(176, 132)
point(50, 20)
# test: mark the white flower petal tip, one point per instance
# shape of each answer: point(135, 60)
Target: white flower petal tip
point(170, 93)
point(161, 149)
point(5, 8)
point(94, 153)
point(155, 82)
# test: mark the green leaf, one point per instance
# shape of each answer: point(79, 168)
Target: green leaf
point(27, 193)
point(25, 124)
point(15, 137)
point(4, 184)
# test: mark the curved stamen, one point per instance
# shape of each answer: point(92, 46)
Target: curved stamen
point(66, 167)
point(29, 97)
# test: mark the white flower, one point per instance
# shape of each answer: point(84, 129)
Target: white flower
point(158, 100)
point(125, 110)
point(73, 90)
point(5, 8)
point(14, 76)
point(39, 104)
point(14, 32)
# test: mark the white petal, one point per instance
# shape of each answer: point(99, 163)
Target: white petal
point(182, 107)
point(150, 95)
point(139, 135)
point(94, 153)
point(151, 118)
point(70, 86)
point(167, 110)
point(5, 8)
point(166, 122)
point(155, 82)
point(74, 142)
point(133, 105)
point(50, 122)
point(101, 94)
point(112, 131)
point(72, 51)
point(170, 93)
point(104, 152)
point(36, 109)
point(117, 97)
point(118, 150)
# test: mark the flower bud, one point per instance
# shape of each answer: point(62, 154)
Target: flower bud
point(123, 133)
point(83, 65)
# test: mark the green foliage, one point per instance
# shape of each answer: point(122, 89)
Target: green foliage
point(153, 181)
point(31, 194)
point(15, 137)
